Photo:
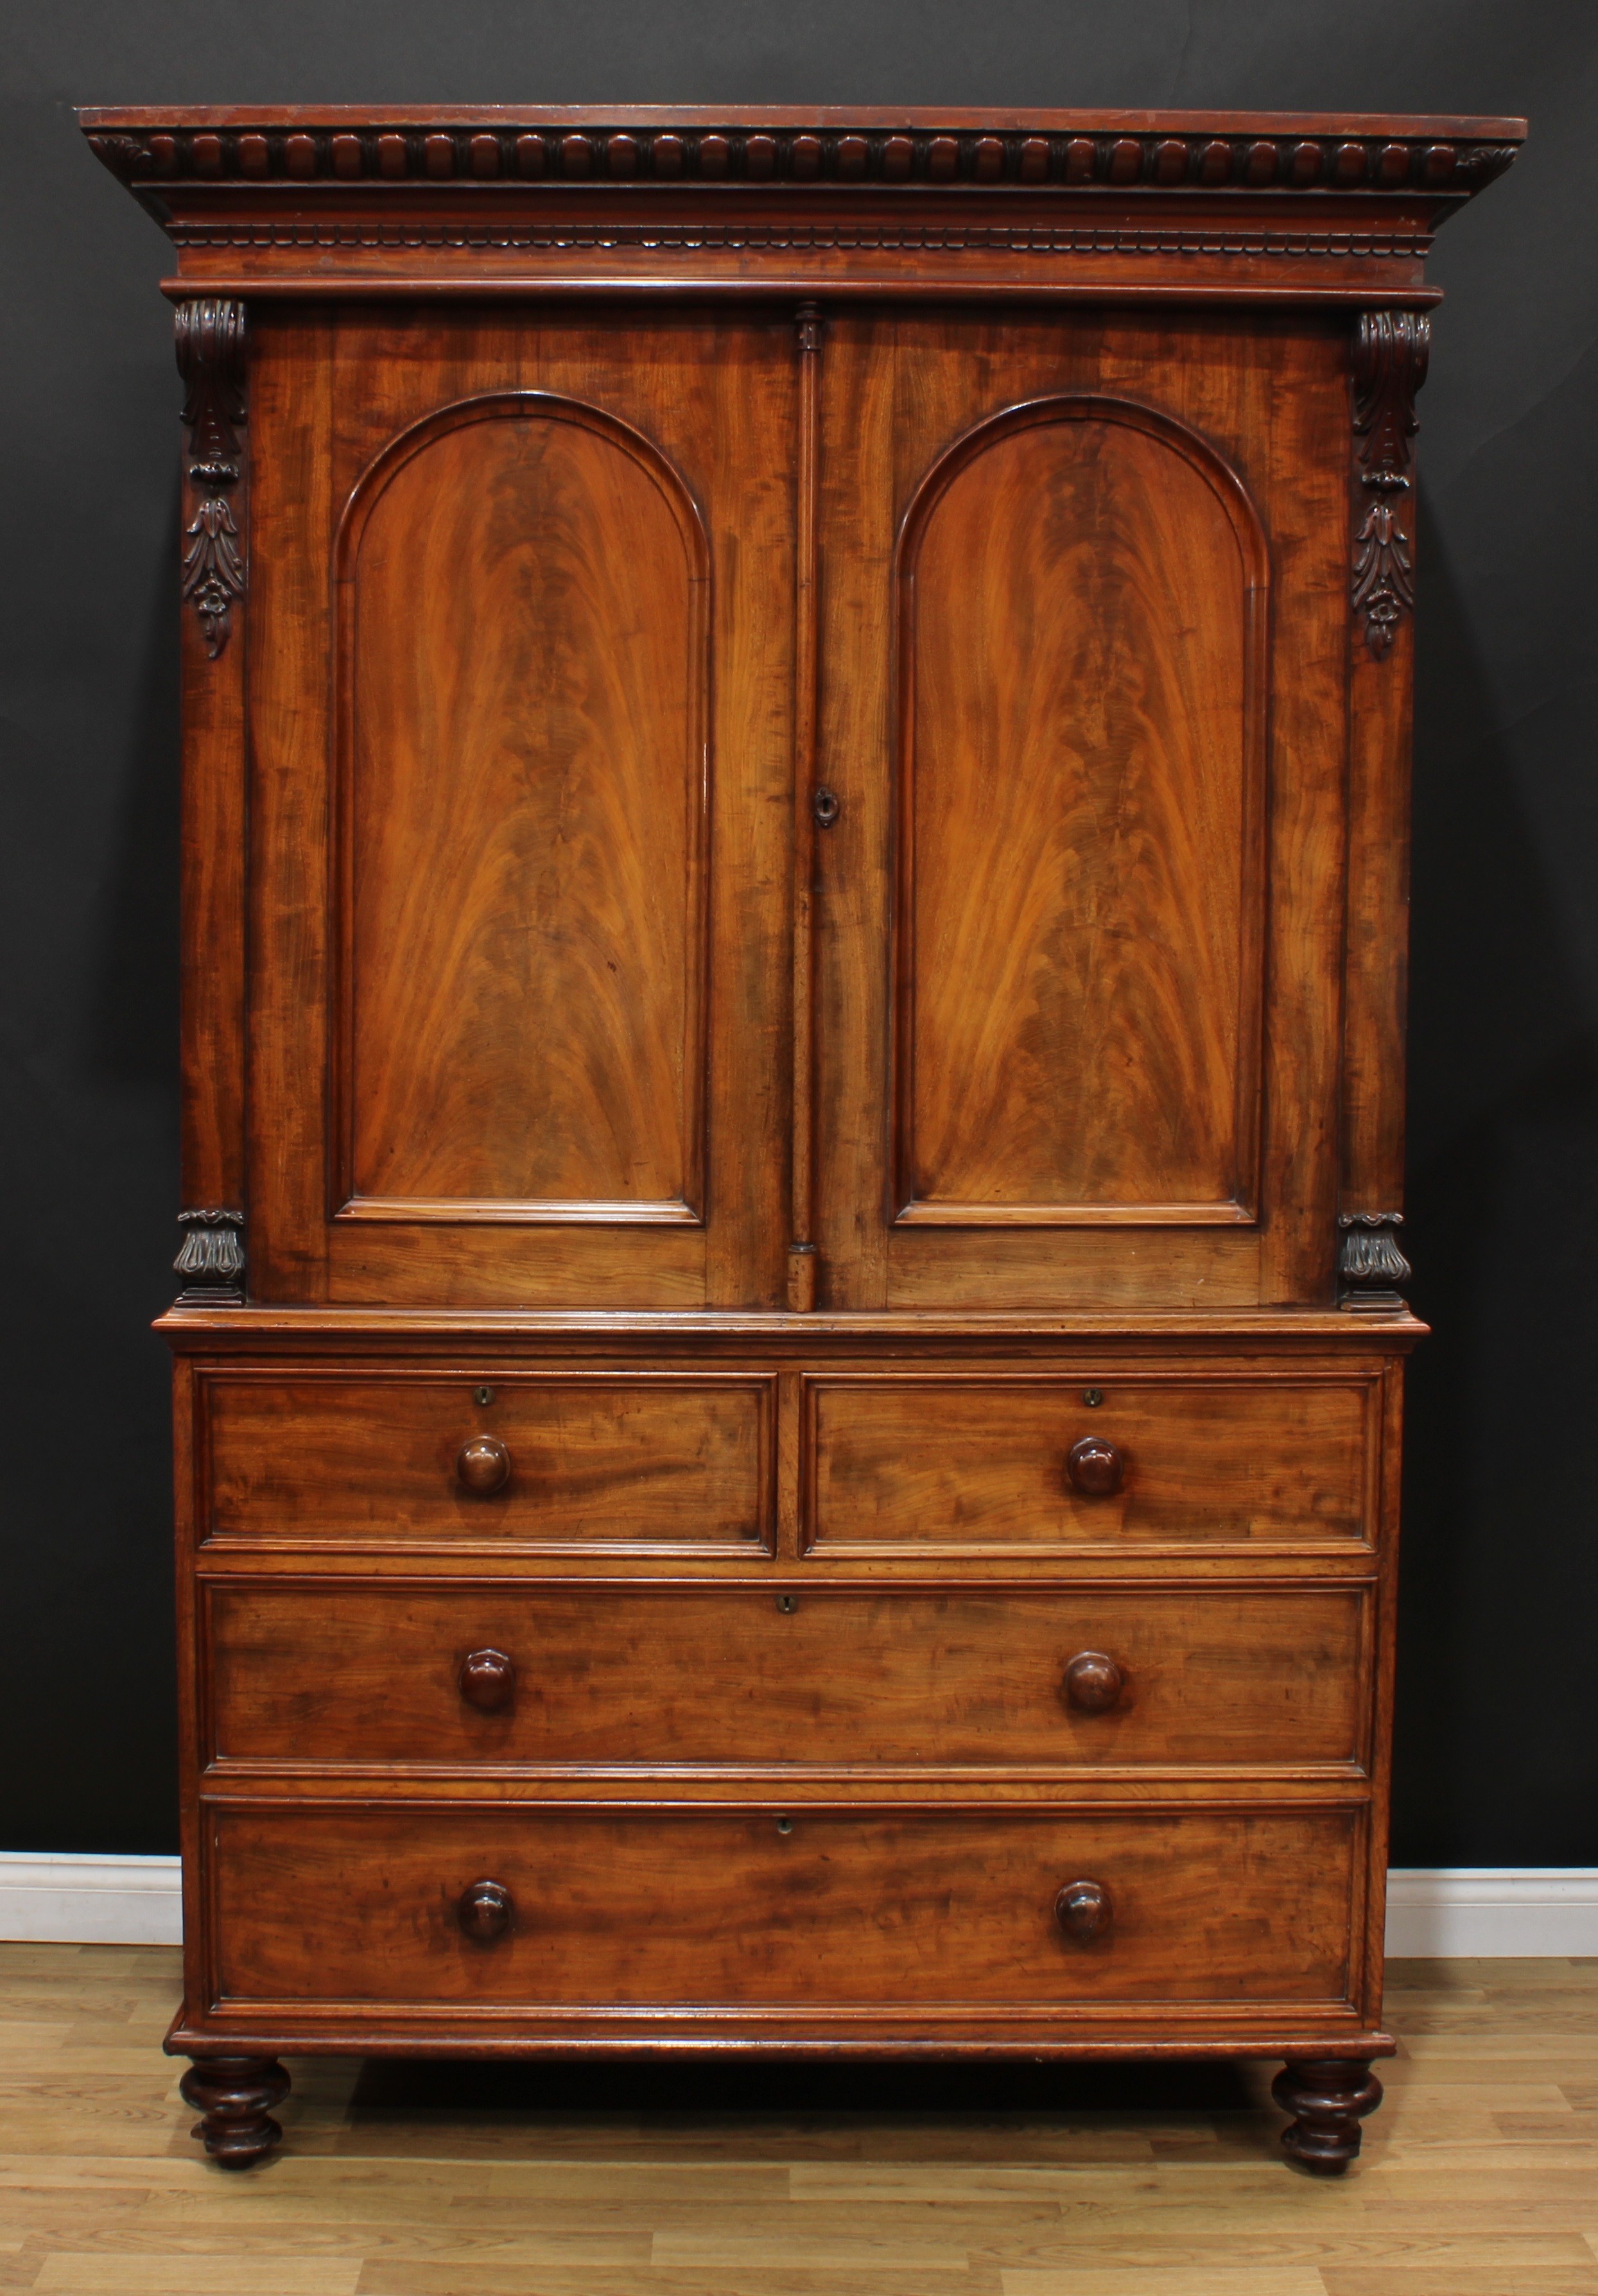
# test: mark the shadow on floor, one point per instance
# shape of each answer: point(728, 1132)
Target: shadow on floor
point(718, 2088)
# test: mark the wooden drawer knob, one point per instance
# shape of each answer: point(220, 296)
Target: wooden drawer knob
point(485, 1911)
point(1084, 1911)
point(488, 1680)
point(1095, 1467)
point(1093, 1682)
point(484, 1465)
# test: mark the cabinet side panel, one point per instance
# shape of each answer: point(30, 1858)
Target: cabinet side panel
point(215, 814)
point(1376, 990)
point(1296, 457)
point(292, 519)
point(195, 1732)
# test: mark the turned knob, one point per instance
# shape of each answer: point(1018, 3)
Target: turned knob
point(484, 1465)
point(1093, 1682)
point(1084, 1911)
point(485, 1911)
point(1095, 1467)
point(487, 1679)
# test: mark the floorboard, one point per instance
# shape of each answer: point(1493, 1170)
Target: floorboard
point(1480, 2174)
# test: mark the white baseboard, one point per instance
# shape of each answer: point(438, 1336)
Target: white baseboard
point(1492, 1910)
point(1447, 1911)
point(50, 1899)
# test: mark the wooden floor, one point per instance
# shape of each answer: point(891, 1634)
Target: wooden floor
point(1480, 2176)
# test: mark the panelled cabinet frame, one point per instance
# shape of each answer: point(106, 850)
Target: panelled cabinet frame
point(1116, 208)
point(878, 1378)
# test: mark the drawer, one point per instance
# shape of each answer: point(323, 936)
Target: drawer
point(919, 1908)
point(380, 1674)
point(571, 1460)
point(977, 1464)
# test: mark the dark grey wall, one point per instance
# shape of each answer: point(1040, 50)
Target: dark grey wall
point(1498, 1739)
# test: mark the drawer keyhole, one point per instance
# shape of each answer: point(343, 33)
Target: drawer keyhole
point(788, 1604)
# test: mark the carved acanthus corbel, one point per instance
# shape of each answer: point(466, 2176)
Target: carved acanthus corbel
point(1369, 1265)
point(212, 1262)
point(210, 359)
point(1390, 351)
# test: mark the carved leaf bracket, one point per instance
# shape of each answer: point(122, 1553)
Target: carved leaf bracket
point(1390, 351)
point(211, 1261)
point(1371, 1266)
point(210, 359)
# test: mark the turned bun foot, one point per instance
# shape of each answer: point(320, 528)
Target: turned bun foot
point(1327, 2098)
point(234, 2097)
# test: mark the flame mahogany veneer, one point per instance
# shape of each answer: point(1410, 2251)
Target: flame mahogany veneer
point(795, 848)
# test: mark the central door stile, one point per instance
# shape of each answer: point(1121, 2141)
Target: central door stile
point(812, 807)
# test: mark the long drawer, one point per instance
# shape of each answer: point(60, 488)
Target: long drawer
point(396, 1673)
point(977, 1461)
point(564, 1459)
point(530, 1906)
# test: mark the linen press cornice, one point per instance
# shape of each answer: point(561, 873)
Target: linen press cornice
point(428, 199)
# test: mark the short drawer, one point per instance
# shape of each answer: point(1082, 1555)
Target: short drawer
point(975, 1464)
point(533, 1906)
point(394, 1673)
point(567, 1460)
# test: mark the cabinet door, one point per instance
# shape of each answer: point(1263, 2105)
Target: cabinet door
point(520, 691)
point(1082, 647)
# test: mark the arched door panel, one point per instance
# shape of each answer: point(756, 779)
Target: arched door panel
point(523, 792)
point(1081, 601)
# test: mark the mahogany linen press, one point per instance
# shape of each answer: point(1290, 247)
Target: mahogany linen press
point(796, 756)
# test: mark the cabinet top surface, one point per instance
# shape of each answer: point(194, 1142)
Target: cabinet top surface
point(814, 146)
point(1471, 128)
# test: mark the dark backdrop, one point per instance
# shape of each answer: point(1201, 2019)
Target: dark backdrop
point(1498, 1720)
